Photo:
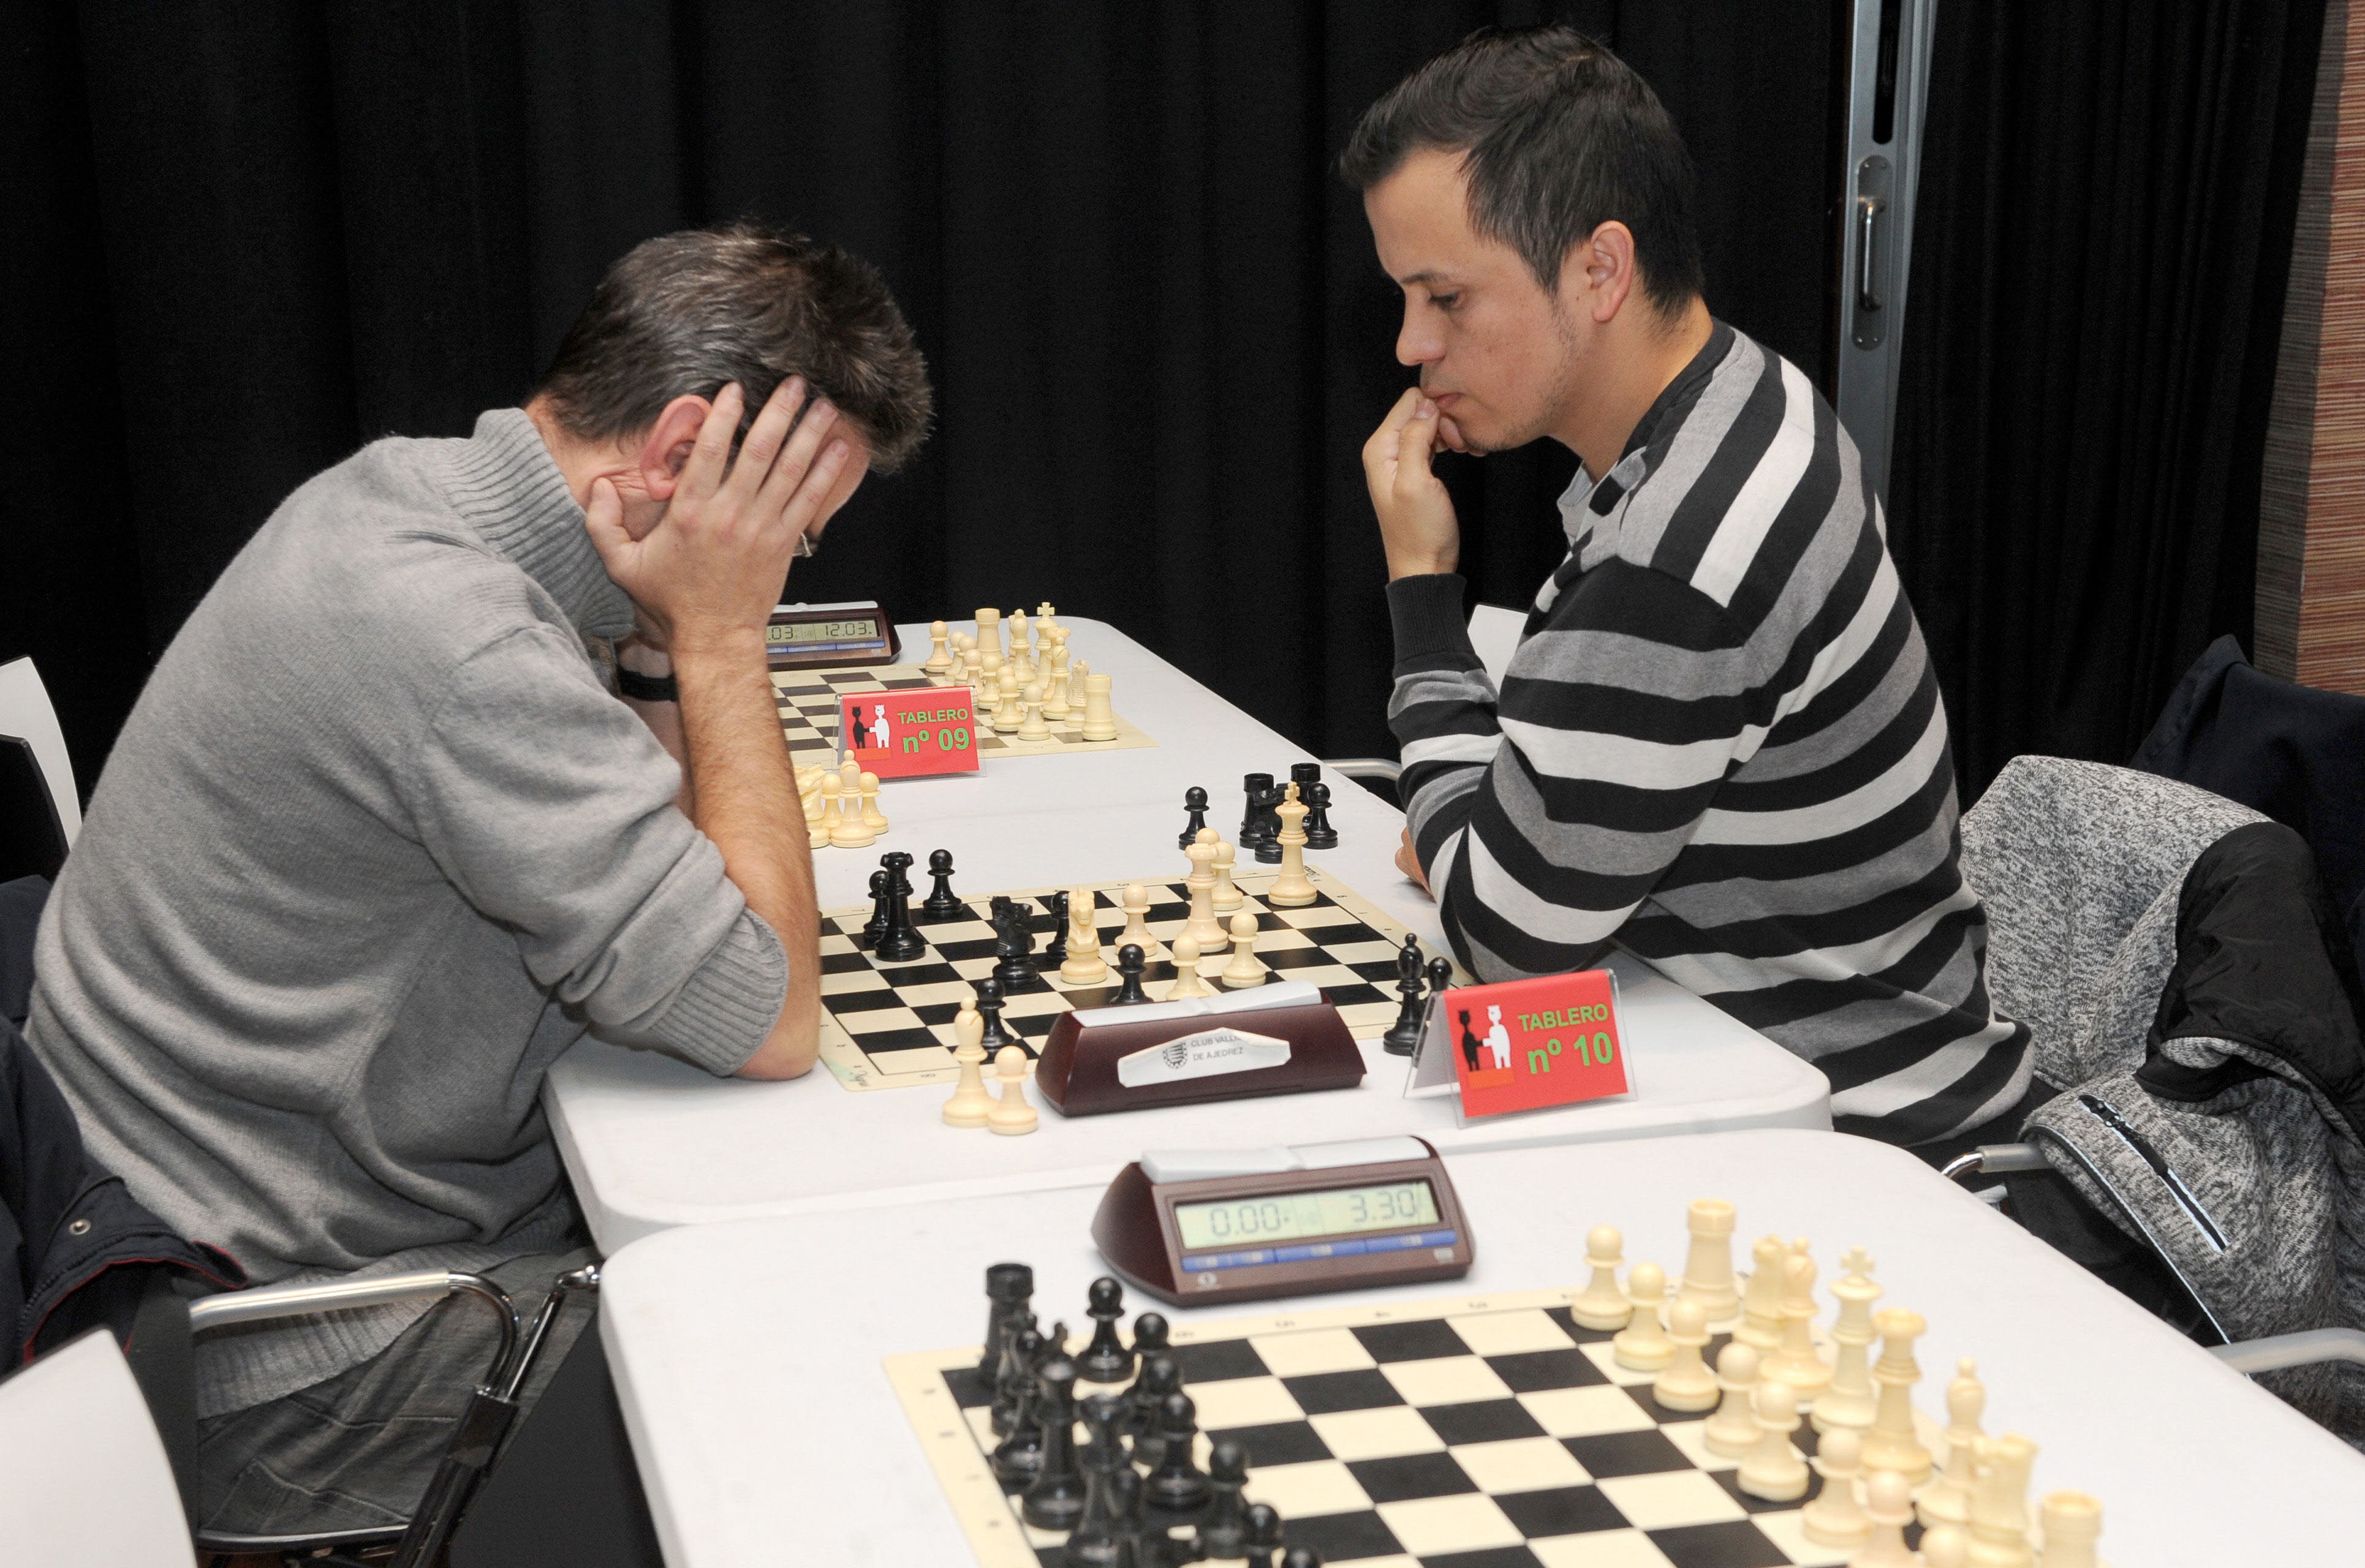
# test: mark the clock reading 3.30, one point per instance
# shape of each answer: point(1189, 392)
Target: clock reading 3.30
point(1292, 1216)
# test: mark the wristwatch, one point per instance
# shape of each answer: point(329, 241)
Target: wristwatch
point(647, 688)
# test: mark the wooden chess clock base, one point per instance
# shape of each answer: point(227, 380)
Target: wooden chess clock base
point(1280, 1038)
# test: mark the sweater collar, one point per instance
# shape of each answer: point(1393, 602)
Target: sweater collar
point(1587, 498)
point(507, 487)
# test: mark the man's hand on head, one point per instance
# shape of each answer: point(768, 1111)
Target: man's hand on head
point(710, 570)
point(1418, 527)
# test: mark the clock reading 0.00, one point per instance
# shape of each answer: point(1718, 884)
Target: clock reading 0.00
point(1290, 1217)
point(822, 631)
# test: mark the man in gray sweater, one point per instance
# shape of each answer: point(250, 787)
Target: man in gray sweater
point(383, 837)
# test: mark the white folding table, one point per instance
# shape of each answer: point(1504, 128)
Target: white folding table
point(652, 1143)
point(747, 1356)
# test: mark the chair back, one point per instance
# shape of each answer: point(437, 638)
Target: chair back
point(83, 1477)
point(34, 833)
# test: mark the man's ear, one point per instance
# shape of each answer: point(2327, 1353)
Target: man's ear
point(667, 446)
point(1599, 269)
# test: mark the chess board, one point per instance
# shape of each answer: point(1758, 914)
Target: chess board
point(890, 1025)
point(1468, 1433)
point(807, 700)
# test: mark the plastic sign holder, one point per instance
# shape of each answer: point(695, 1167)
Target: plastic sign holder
point(1523, 1045)
point(903, 734)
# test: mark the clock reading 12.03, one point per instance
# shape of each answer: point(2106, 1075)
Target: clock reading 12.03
point(1290, 1217)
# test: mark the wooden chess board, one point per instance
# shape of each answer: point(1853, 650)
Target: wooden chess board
point(807, 700)
point(1464, 1432)
point(890, 1025)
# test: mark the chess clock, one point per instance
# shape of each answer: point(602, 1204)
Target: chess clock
point(856, 632)
point(1204, 1226)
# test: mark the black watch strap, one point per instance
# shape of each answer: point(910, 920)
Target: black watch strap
point(646, 687)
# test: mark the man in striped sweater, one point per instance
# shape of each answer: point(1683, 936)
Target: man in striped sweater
point(1719, 744)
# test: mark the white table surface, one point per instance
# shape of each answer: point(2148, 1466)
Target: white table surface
point(747, 1357)
point(652, 1143)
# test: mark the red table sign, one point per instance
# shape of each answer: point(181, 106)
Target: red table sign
point(1524, 1045)
point(900, 735)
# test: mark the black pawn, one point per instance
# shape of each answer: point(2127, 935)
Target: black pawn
point(1105, 1359)
point(1055, 1499)
point(1403, 1038)
point(875, 926)
point(1009, 1287)
point(988, 1008)
point(1150, 1332)
point(1223, 1534)
point(1020, 1454)
point(1131, 965)
point(1130, 1528)
point(1320, 834)
point(1194, 800)
point(1255, 785)
point(1176, 1486)
point(942, 902)
point(901, 942)
point(1263, 1534)
point(1440, 975)
point(1055, 951)
point(1160, 1377)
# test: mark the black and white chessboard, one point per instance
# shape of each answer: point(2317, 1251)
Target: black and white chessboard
point(888, 1025)
point(807, 700)
point(1473, 1432)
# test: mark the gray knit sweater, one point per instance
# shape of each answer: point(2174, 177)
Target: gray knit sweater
point(375, 847)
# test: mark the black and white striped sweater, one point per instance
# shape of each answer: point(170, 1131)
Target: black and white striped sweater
point(1720, 744)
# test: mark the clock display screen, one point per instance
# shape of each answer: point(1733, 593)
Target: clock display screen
point(1289, 1216)
point(796, 632)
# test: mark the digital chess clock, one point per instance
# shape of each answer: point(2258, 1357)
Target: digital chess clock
point(857, 632)
point(1204, 1226)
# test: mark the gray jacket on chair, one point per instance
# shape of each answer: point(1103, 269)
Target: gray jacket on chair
point(2188, 984)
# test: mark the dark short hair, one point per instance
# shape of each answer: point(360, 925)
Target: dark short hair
point(688, 313)
point(1559, 137)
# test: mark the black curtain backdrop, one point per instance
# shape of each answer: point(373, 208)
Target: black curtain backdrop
point(2107, 199)
point(240, 238)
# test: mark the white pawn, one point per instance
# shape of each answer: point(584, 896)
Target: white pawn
point(1011, 1114)
point(1244, 970)
point(1008, 711)
point(1732, 1430)
point(872, 818)
point(1136, 920)
point(1774, 1470)
point(970, 1103)
point(1947, 1500)
point(821, 817)
point(940, 660)
point(1643, 1344)
point(1834, 1518)
point(2073, 1522)
point(1601, 1306)
point(1708, 1270)
point(973, 672)
point(1761, 1303)
point(1891, 1510)
point(1084, 965)
point(1032, 727)
point(1686, 1383)
point(1227, 896)
point(1944, 1546)
point(1187, 982)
